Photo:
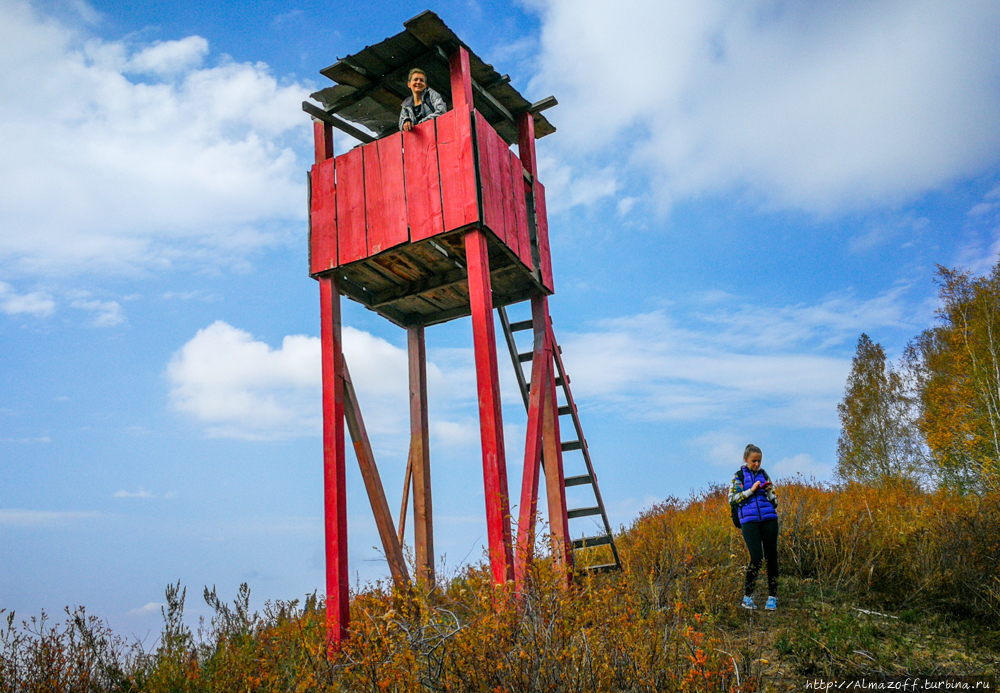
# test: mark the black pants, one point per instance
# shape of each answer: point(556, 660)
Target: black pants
point(762, 541)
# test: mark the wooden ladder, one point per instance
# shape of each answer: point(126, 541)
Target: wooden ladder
point(589, 478)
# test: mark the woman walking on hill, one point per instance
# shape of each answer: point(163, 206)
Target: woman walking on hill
point(753, 493)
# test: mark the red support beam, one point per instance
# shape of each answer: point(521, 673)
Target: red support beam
point(373, 484)
point(406, 494)
point(323, 140)
point(541, 365)
point(334, 485)
point(526, 142)
point(555, 482)
point(490, 418)
point(461, 80)
point(420, 461)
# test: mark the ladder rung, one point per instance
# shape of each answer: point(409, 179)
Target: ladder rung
point(522, 325)
point(564, 410)
point(578, 480)
point(587, 542)
point(571, 445)
point(583, 512)
point(559, 381)
point(525, 357)
point(606, 568)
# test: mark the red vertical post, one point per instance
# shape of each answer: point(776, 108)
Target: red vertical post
point(541, 364)
point(555, 481)
point(323, 140)
point(420, 461)
point(461, 80)
point(490, 418)
point(334, 486)
point(526, 142)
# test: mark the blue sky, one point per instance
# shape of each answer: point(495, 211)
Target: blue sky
point(737, 190)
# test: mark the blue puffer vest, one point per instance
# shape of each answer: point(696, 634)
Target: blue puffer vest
point(756, 508)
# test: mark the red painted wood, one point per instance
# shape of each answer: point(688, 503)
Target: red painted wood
point(322, 217)
point(352, 242)
point(489, 177)
point(520, 188)
point(506, 195)
point(461, 80)
point(423, 524)
point(490, 418)
point(555, 481)
point(334, 476)
point(323, 140)
point(385, 198)
point(542, 225)
point(458, 171)
point(541, 366)
point(423, 185)
point(526, 142)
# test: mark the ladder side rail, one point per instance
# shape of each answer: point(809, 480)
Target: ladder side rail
point(557, 357)
point(512, 348)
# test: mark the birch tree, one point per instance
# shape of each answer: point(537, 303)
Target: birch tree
point(878, 440)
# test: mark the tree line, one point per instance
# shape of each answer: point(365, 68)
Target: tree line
point(933, 417)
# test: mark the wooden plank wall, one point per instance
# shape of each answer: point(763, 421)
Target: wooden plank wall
point(458, 171)
point(414, 185)
point(385, 198)
point(322, 217)
point(352, 242)
point(423, 182)
point(488, 178)
point(520, 188)
point(509, 235)
point(545, 258)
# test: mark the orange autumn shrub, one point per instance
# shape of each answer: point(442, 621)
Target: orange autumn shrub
point(667, 622)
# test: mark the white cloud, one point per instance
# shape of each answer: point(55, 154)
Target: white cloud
point(119, 174)
point(136, 494)
point(814, 106)
point(801, 464)
point(106, 313)
point(243, 388)
point(37, 303)
point(40, 518)
point(566, 187)
point(169, 57)
point(756, 364)
point(150, 608)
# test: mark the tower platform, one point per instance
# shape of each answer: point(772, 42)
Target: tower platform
point(388, 217)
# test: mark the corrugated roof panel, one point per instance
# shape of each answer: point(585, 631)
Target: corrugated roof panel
point(379, 72)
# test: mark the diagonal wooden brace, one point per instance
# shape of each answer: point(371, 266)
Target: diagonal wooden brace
point(373, 483)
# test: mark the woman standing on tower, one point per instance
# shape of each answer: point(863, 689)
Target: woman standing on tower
point(423, 104)
point(753, 493)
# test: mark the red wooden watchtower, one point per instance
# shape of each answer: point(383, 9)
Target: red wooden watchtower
point(423, 227)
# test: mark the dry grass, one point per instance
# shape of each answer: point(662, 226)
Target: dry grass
point(926, 564)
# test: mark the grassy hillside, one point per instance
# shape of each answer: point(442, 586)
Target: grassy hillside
point(874, 582)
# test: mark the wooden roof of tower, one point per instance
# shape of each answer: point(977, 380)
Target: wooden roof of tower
point(371, 84)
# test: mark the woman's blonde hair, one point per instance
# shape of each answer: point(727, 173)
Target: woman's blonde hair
point(415, 71)
point(751, 449)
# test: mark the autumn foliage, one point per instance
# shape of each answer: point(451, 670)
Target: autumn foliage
point(668, 622)
point(935, 417)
